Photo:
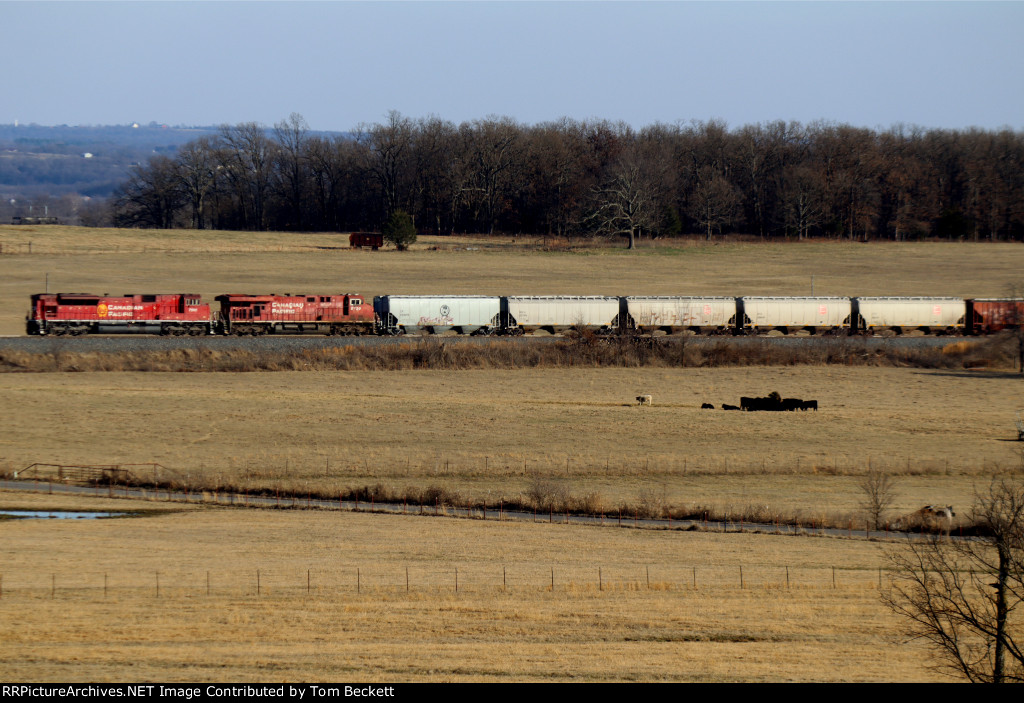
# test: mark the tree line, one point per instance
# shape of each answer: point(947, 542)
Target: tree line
point(590, 178)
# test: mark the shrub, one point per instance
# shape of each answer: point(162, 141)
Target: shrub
point(399, 230)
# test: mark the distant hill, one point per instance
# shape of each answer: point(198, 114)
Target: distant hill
point(67, 171)
point(38, 161)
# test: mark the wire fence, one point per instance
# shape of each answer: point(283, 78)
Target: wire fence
point(391, 580)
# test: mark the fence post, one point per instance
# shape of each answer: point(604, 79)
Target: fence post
point(600, 580)
point(741, 576)
point(207, 583)
point(359, 581)
point(787, 577)
point(833, 577)
point(257, 581)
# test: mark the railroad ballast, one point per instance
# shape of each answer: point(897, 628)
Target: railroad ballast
point(350, 314)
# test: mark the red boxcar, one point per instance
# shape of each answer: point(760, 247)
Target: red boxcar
point(988, 315)
point(344, 313)
point(82, 313)
point(366, 239)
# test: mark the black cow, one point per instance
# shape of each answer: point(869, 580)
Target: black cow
point(707, 406)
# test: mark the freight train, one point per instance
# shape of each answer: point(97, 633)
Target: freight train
point(351, 314)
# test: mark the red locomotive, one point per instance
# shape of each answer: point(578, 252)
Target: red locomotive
point(81, 313)
point(345, 313)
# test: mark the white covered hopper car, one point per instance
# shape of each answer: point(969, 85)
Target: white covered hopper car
point(817, 315)
point(900, 315)
point(557, 313)
point(670, 314)
point(436, 314)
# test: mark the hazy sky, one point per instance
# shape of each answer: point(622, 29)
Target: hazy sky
point(871, 64)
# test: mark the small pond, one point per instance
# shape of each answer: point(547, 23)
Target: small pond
point(56, 514)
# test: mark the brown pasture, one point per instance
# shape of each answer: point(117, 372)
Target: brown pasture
point(487, 435)
point(342, 596)
point(492, 435)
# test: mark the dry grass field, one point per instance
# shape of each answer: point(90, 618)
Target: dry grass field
point(492, 435)
point(333, 605)
point(487, 435)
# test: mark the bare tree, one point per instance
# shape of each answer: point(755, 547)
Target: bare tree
point(879, 489)
point(197, 171)
point(715, 203)
point(1012, 314)
point(151, 197)
point(801, 199)
point(962, 596)
point(494, 150)
point(292, 135)
point(387, 153)
point(626, 202)
point(246, 156)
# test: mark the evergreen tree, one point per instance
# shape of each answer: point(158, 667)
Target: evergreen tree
point(399, 230)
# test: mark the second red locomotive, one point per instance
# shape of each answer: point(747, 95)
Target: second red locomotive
point(343, 313)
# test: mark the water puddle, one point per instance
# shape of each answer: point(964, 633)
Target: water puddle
point(56, 515)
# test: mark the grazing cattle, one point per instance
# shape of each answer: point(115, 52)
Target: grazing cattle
point(644, 400)
point(707, 406)
point(774, 402)
point(730, 407)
